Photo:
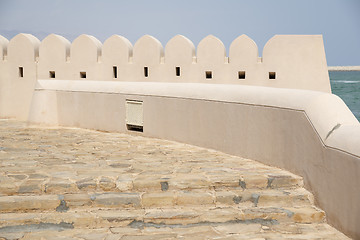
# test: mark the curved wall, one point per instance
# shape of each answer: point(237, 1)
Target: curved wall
point(279, 127)
point(296, 62)
point(290, 121)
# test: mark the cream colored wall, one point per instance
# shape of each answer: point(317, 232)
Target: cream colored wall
point(54, 55)
point(3, 71)
point(180, 52)
point(148, 52)
point(85, 56)
point(44, 108)
point(211, 56)
point(299, 61)
point(244, 56)
point(289, 128)
point(318, 132)
point(3, 47)
point(22, 51)
point(117, 51)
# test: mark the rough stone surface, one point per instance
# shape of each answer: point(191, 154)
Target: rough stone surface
point(28, 203)
point(65, 183)
point(160, 199)
point(117, 200)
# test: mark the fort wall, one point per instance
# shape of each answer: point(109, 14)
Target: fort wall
point(296, 62)
point(277, 109)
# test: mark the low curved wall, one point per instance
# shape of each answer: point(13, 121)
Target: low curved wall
point(312, 134)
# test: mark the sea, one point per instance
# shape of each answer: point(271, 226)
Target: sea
point(346, 85)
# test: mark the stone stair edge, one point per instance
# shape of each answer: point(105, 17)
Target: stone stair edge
point(62, 202)
point(144, 183)
point(167, 216)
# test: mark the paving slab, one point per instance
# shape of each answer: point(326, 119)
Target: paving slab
point(69, 183)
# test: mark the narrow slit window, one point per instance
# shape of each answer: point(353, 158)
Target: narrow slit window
point(177, 70)
point(146, 71)
point(82, 74)
point(272, 75)
point(21, 72)
point(208, 74)
point(115, 73)
point(51, 74)
point(241, 74)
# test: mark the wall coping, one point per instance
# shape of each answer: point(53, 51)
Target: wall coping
point(331, 119)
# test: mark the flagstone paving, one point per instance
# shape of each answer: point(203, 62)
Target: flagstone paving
point(68, 183)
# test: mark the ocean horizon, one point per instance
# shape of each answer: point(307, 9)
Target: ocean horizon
point(346, 85)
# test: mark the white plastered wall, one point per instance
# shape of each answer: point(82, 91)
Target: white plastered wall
point(23, 51)
point(288, 128)
point(148, 52)
point(180, 52)
point(3, 47)
point(85, 56)
point(299, 62)
point(244, 56)
point(211, 56)
point(3, 71)
point(117, 52)
point(54, 55)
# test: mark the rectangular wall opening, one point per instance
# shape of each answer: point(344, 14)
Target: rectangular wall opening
point(208, 74)
point(134, 115)
point(115, 72)
point(272, 75)
point(177, 70)
point(241, 74)
point(134, 128)
point(21, 72)
point(146, 71)
point(51, 74)
point(82, 74)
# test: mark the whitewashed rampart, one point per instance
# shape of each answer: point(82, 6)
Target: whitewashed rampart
point(277, 109)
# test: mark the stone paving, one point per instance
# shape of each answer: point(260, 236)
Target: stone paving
point(67, 183)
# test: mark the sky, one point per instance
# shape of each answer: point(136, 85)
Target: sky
point(337, 20)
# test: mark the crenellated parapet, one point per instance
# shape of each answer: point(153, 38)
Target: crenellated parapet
point(289, 61)
point(276, 109)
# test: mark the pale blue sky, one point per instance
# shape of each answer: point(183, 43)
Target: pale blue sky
point(337, 20)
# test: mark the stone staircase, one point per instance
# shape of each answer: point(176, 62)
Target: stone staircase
point(81, 184)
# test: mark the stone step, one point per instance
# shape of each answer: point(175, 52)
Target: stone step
point(216, 181)
point(228, 231)
point(81, 184)
point(39, 184)
point(164, 217)
point(62, 203)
